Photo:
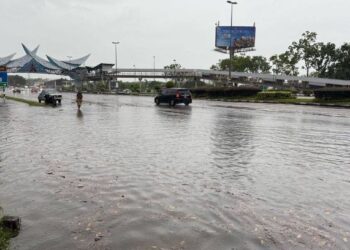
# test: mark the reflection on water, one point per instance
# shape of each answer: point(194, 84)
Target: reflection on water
point(214, 175)
point(80, 114)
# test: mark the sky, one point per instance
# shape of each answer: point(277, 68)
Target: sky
point(181, 30)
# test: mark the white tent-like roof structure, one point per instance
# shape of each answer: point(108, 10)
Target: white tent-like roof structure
point(32, 63)
point(20, 62)
point(5, 60)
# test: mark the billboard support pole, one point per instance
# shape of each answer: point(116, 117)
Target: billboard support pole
point(232, 53)
point(232, 49)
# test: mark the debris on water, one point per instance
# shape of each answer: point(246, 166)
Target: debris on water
point(299, 236)
point(63, 177)
point(98, 237)
point(50, 173)
point(123, 196)
point(80, 186)
point(345, 240)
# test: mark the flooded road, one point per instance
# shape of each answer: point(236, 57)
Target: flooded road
point(126, 174)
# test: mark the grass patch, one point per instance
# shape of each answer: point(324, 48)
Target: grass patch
point(274, 95)
point(29, 102)
point(4, 239)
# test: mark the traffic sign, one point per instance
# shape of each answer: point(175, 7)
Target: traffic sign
point(3, 77)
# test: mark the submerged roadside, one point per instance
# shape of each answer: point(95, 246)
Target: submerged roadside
point(9, 228)
point(327, 97)
point(299, 101)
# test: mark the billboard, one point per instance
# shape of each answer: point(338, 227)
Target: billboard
point(3, 76)
point(235, 37)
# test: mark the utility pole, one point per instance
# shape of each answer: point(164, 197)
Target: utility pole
point(231, 48)
point(69, 68)
point(154, 68)
point(116, 60)
point(175, 64)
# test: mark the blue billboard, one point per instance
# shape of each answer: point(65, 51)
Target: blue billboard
point(235, 37)
point(3, 76)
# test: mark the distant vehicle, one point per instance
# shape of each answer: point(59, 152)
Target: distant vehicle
point(34, 90)
point(174, 96)
point(16, 91)
point(124, 92)
point(50, 96)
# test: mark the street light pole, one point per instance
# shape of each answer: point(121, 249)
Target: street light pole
point(70, 65)
point(175, 73)
point(154, 68)
point(232, 49)
point(116, 60)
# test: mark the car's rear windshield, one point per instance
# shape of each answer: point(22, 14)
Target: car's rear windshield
point(50, 91)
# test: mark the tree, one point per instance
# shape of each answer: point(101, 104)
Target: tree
point(255, 64)
point(325, 59)
point(285, 63)
point(238, 63)
point(101, 87)
point(17, 81)
point(306, 49)
point(172, 71)
point(341, 68)
point(170, 84)
point(259, 64)
point(215, 67)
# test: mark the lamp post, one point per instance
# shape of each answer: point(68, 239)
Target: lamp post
point(70, 66)
point(175, 82)
point(231, 48)
point(116, 60)
point(154, 68)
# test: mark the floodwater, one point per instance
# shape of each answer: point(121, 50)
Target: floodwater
point(126, 174)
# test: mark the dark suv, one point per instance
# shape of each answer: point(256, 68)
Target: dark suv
point(50, 96)
point(174, 96)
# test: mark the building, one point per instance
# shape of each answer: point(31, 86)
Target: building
point(32, 63)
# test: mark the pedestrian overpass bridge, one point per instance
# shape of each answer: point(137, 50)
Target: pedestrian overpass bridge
point(200, 74)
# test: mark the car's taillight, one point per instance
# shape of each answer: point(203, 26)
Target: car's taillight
point(177, 95)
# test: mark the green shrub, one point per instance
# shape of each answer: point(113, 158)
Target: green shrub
point(170, 85)
point(307, 92)
point(273, 95)
point(332, 93)
point(218, 92)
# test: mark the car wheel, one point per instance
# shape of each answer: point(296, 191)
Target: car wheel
point(39, 100)
point(172, 103)
point(187, 103)
point(157, 101)
point(59, 101)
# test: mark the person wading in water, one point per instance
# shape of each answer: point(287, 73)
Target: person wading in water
point(79, 99)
